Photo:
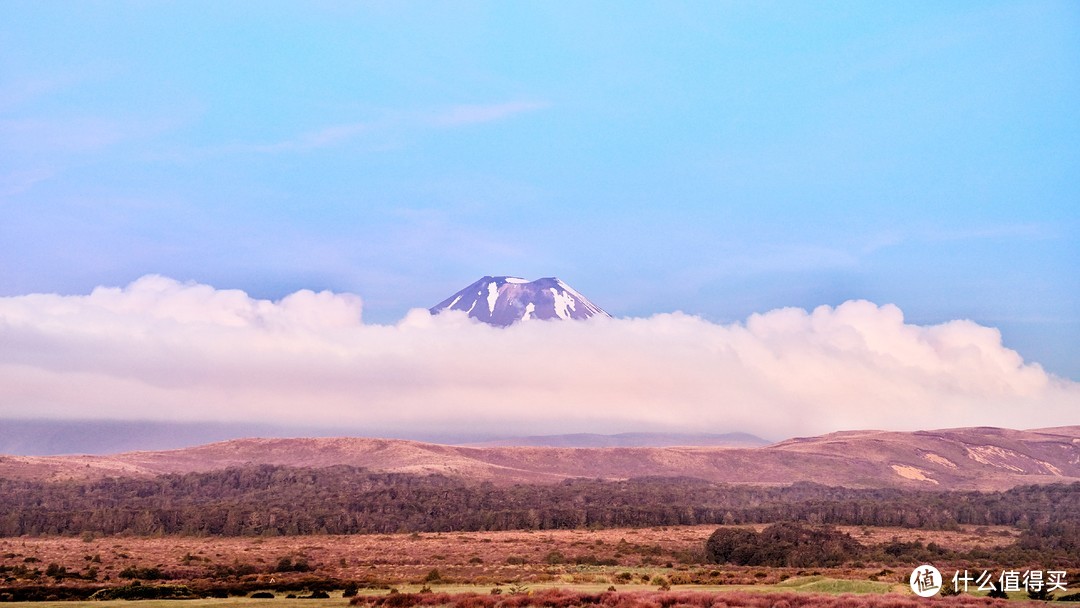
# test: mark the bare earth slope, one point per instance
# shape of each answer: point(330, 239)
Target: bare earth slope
point(967, 458)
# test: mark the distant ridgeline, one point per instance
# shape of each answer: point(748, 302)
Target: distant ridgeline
point(259, 500)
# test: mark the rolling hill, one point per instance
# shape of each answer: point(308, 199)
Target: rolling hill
point(978, 458)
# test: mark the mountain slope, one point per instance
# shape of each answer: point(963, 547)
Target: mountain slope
point(503, 301)
point(969, 459)
point(630, 440)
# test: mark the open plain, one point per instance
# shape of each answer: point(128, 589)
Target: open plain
point(569, 556)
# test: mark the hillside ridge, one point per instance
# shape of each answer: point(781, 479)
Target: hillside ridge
point(979, 458)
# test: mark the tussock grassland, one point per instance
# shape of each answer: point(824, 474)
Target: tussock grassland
point(632, 560)
point(563, 598)
point(616, 556)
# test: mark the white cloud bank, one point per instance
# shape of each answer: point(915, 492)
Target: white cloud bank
point(163, 350)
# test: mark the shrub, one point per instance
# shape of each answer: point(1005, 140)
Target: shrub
point(286, 564)
point(948, 588)
point(1042, 595)
point(262, 595)
point(782, 545)
point(146, 574)
point(732, 545)
point(554, 557)
point(144, 592)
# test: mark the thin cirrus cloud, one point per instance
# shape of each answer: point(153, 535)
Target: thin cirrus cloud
point(311, 140)
point(73, 135)
point(159, 349)
point(20, 181)
point(442, 118)
point(461, 115)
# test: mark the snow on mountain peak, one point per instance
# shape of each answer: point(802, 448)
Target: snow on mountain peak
point(505, 300)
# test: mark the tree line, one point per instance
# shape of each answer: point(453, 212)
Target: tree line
point(275, 500)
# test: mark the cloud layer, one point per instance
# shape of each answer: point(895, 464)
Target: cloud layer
point(163, 350)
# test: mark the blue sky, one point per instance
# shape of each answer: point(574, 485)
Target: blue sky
point(716, 158)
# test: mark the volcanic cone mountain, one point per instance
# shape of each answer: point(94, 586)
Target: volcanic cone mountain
point(503, 301)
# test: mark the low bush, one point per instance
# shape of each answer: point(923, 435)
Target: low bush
point(145, 592)
point(143, 574)
point(555, 557)
point(286, 564)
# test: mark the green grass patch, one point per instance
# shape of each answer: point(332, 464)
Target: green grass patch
point(833, 585)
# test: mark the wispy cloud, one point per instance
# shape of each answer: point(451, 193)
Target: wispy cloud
point(67, 135)
point(1027, 231)
point(20, 181)
point(15, 92)
point(441, 118)
point(311, 140)
point(784, 258)
point(462, 115)
point(160, 349)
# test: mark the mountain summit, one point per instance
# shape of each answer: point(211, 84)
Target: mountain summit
point(503, 301)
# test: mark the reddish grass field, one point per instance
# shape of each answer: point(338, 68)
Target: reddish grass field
point(616, 556)
point(558, 598)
